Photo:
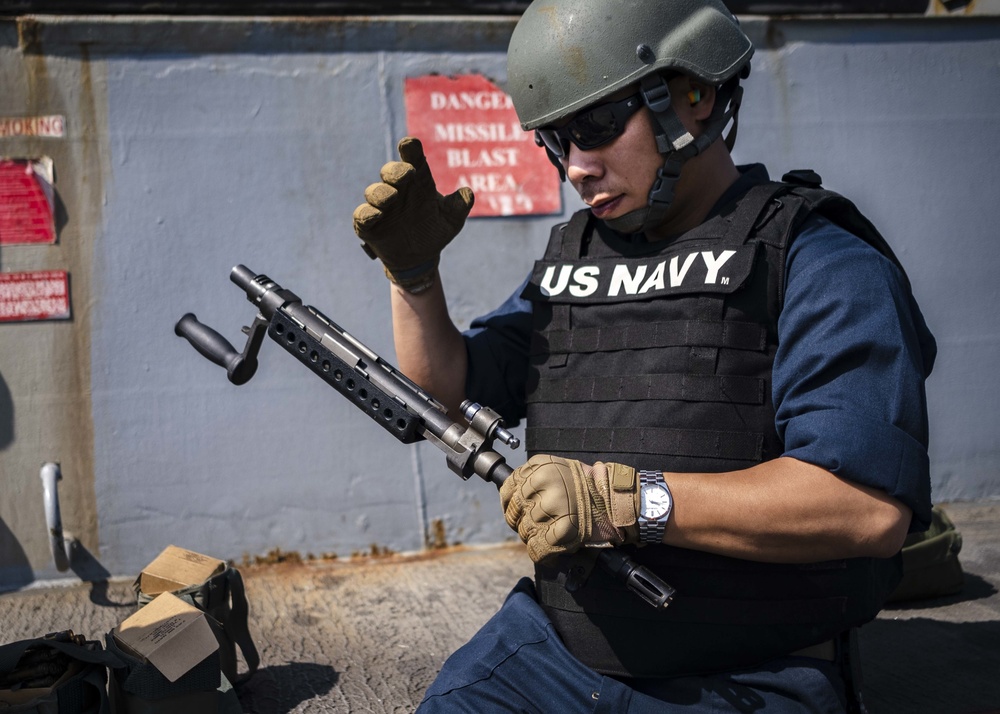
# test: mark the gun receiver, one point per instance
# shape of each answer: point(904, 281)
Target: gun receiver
point(383, 393)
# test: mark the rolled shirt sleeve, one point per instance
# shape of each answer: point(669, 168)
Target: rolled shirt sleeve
point(853, 355)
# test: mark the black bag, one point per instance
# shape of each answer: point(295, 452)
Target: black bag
point(60, 673)
point(930, 561)
point(138, 687)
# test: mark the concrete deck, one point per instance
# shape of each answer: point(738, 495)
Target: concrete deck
point(369, 636)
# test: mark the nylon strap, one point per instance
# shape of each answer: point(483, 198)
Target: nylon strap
point(676, 144)
point(705, 609)
point(571, 244)
point(674, 333)
point(237, 624)
point(645, 440)
point(703, 359)
point(686, 387)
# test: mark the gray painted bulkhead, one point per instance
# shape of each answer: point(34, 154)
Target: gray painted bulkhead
point(195, 144)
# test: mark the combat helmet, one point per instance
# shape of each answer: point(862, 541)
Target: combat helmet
point(567, 55)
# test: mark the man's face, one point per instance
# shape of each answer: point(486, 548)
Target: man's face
point(616, 178)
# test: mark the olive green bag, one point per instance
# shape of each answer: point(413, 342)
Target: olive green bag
point(930, 561)
point(139, 688)
point(223, 599)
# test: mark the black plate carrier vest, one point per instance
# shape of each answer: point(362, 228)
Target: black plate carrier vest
point(660, 357)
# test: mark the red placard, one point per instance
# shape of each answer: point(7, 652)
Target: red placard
point(471, 137)
point(38, 295)
point(26, 201)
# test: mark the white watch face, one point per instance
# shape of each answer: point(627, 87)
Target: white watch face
point(654, 501)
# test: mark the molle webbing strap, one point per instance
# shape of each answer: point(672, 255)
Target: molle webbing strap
point(734, 446)
point(570, 244)
point(675, 333)
point(703, 359)
point(706, 609)
point(686, 387)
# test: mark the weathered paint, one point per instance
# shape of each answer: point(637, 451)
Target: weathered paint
point(46, 368)
point(195, 144)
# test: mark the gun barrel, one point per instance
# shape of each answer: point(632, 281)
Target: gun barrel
point(244, 277)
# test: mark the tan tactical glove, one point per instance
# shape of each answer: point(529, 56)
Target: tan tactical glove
point(405, 222)
point(556, 505)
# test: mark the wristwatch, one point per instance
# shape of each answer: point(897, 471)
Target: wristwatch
point(655, 504)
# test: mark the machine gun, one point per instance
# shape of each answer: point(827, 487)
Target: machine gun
point(383, 393)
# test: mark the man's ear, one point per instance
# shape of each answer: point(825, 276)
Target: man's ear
point(702, 99)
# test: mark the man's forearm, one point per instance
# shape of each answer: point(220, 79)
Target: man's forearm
point(783, 510)
point(429, 348)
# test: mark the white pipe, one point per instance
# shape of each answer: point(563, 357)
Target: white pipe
point(60, 542)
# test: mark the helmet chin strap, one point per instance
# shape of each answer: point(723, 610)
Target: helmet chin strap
point(677, 145)
point(631, 222)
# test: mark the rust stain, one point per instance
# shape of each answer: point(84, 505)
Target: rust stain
point(290, 561)
point(284, 563)
point(436, 537)
point(87, 176)
point(575, 60)
point(574, 57)
point(274, 556)
point(277, 556)
point(774, 38)
point(36, 70)
point(374, 551)
point(550, 14)
point(29, 35)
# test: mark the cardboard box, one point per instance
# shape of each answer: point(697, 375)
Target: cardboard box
point(168, 633)
point(176, 568)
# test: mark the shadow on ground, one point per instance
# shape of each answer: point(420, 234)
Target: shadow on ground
point(280, 688)
point(923, 666)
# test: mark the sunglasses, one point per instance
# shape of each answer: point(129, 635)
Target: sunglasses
point(590, 128)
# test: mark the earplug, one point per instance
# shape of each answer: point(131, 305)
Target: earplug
point(694, 96)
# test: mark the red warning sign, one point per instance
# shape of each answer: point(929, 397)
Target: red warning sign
point(26, 201)
point(471, 137)
point(38, 295)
